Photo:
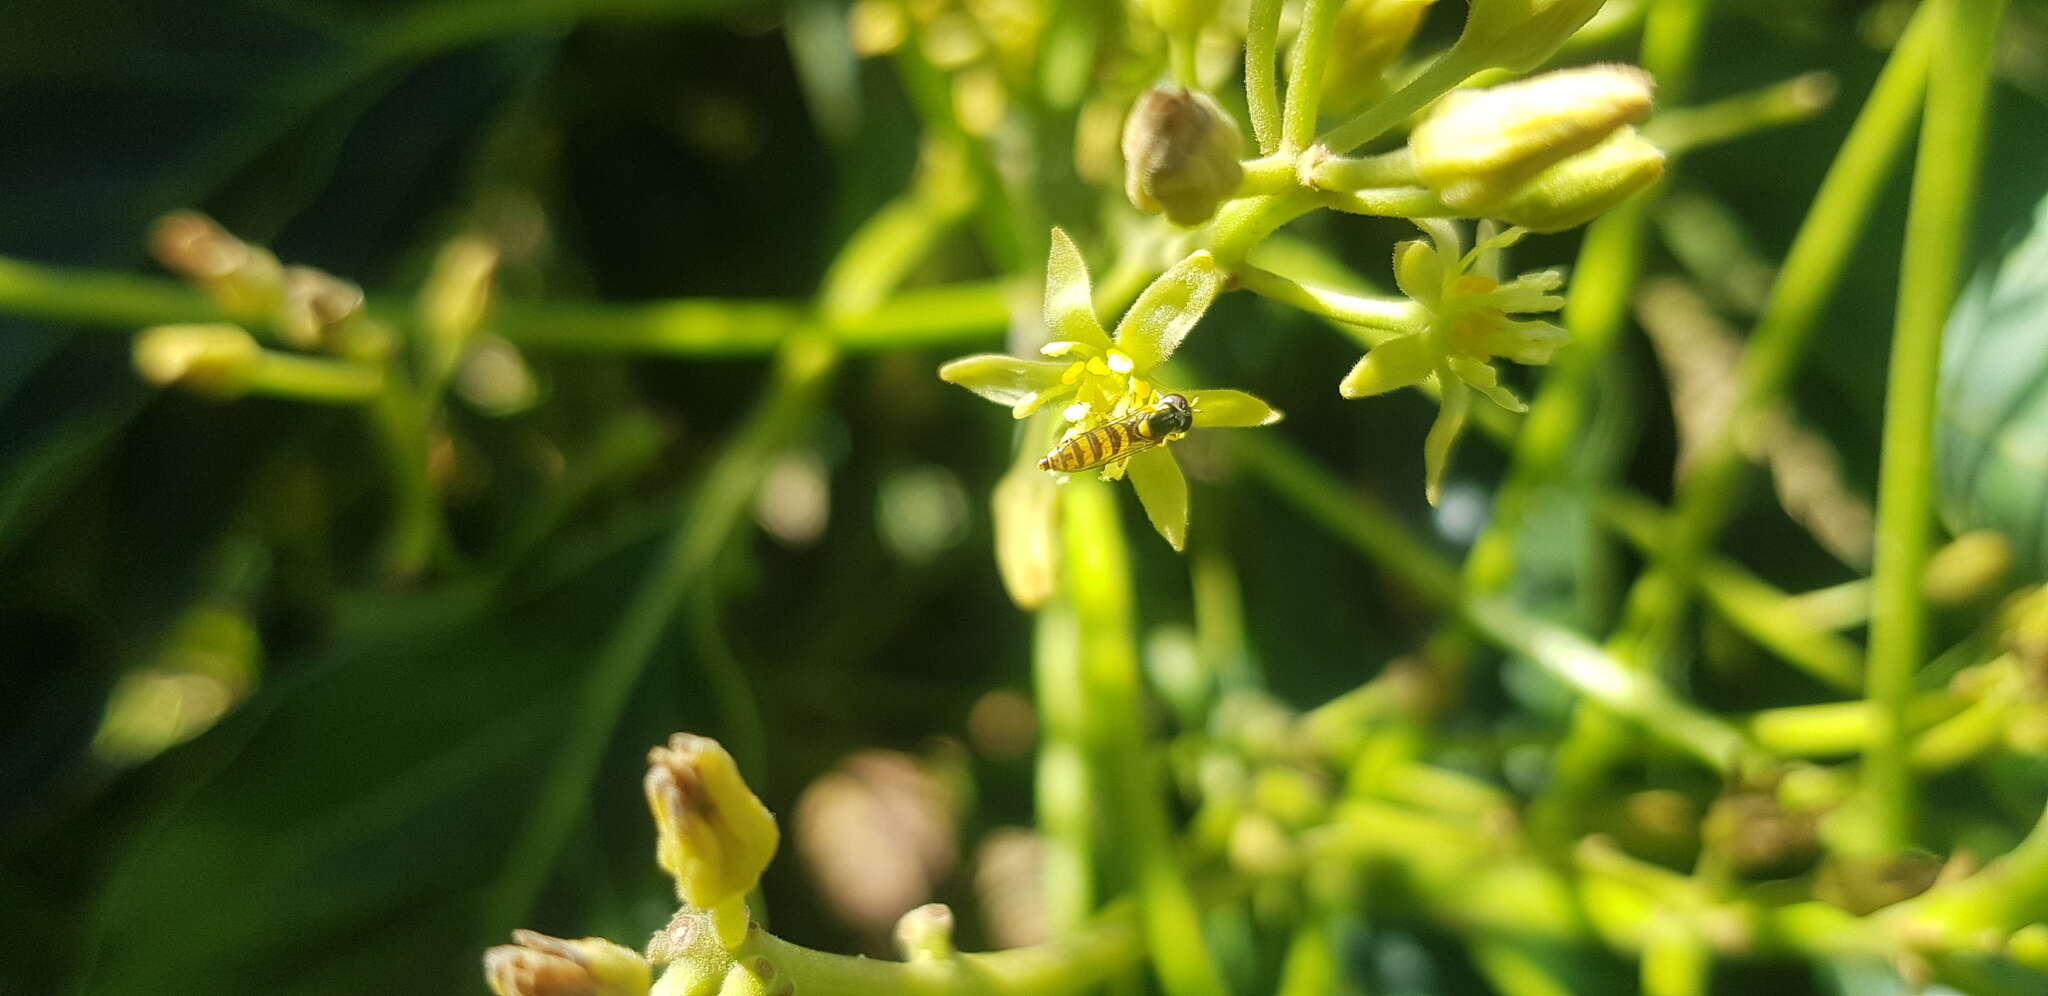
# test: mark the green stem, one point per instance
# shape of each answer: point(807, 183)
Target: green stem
point(1065, 790)
point(314, 378)
point(1392, 202)
point(1181, 50)
point(1305, 74)
point(708, 519)
point(1789, 102)
point(1937, 226)
point(1446, 72)
point(1098, 582)
point(1347, 173)
point(87, 296)
point(1763, 612)
point(1391, 315)
point(1261, 90)
point(415, 528)
point(1270, 175)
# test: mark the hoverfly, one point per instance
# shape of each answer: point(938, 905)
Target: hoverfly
point(1161, 422)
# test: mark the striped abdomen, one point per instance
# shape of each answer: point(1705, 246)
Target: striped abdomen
point(1102, 444)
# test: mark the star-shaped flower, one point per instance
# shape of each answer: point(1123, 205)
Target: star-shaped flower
point(1468, 328)
point(1101, 379)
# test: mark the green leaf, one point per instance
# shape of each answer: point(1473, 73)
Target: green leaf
point(1069, 304)
point(1223, 408)
point(1992, 433)
point(1164, 493)
point(1005, 380)
point(1168, 309)
point(1391, 365)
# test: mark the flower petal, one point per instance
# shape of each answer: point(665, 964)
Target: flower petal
point(1069, 308)
point(1396, 363)
point(1223, 408)
point(1163, 491)
point(1005, 380)
point(1419, 272)
point(1526, 342)
point(1486, 380)
point(1168, 309)
point(1436, 449)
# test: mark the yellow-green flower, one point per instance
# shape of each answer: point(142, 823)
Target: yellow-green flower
point(1097, 378)
point(1469, 326)
point(714, 835)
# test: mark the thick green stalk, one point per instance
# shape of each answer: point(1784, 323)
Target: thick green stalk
point(1937, 229)
point(707, 520)
point(1133, 793)
point(1065, 789)
point(1261, 92)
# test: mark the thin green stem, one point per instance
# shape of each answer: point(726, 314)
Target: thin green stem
point(1937, 227)
point(1446, 72)
point(1181, 51)
point(316, 379)
point(1790, 102)
point(1270, 175)
point(1388, 169)
point(1311, 57)
point(1065, 789)
point(415, 528)
point(707, 520)
point(1392, 315)
point(1098, 583)
point(1261, 59)
point(1392, 202)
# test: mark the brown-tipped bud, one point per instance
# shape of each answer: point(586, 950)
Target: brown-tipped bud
point(217, 360)
point(1180, 154)
point(1368, 39)
point(1585, 186)
point(316, 306)
point(714, 835)
point(245, 280)
point(1478, 147)
point(539, 965)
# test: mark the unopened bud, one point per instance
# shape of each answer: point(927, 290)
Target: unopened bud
point(1027, 539)
point(1479, 146)
point(2029, 946)
point(1968, 568)
point(539, 965)
point(714, 835)
point(1585, 186)
point(1518, 35)
point(216, 360)
point(926, 933)
point(316, 305)
point(244, 280)
point(1368, 39)
point(456, 298)
point(1180, 154)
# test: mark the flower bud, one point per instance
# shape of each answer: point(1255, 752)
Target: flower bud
point(539, 965)
point(1367, 39)
point(1585, 186)
point(316, 305)
point(715, 836)
point(1478, 146)
point(244, 280)
point(1180, 154)
point(926, 933)
point(217, 360)
point(1518, 35)
point(1968, 568)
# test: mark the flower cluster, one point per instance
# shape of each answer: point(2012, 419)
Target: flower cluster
point(1468, 327)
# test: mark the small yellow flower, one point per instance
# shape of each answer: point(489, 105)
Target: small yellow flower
point(1469, 327)
point(1097, 378)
